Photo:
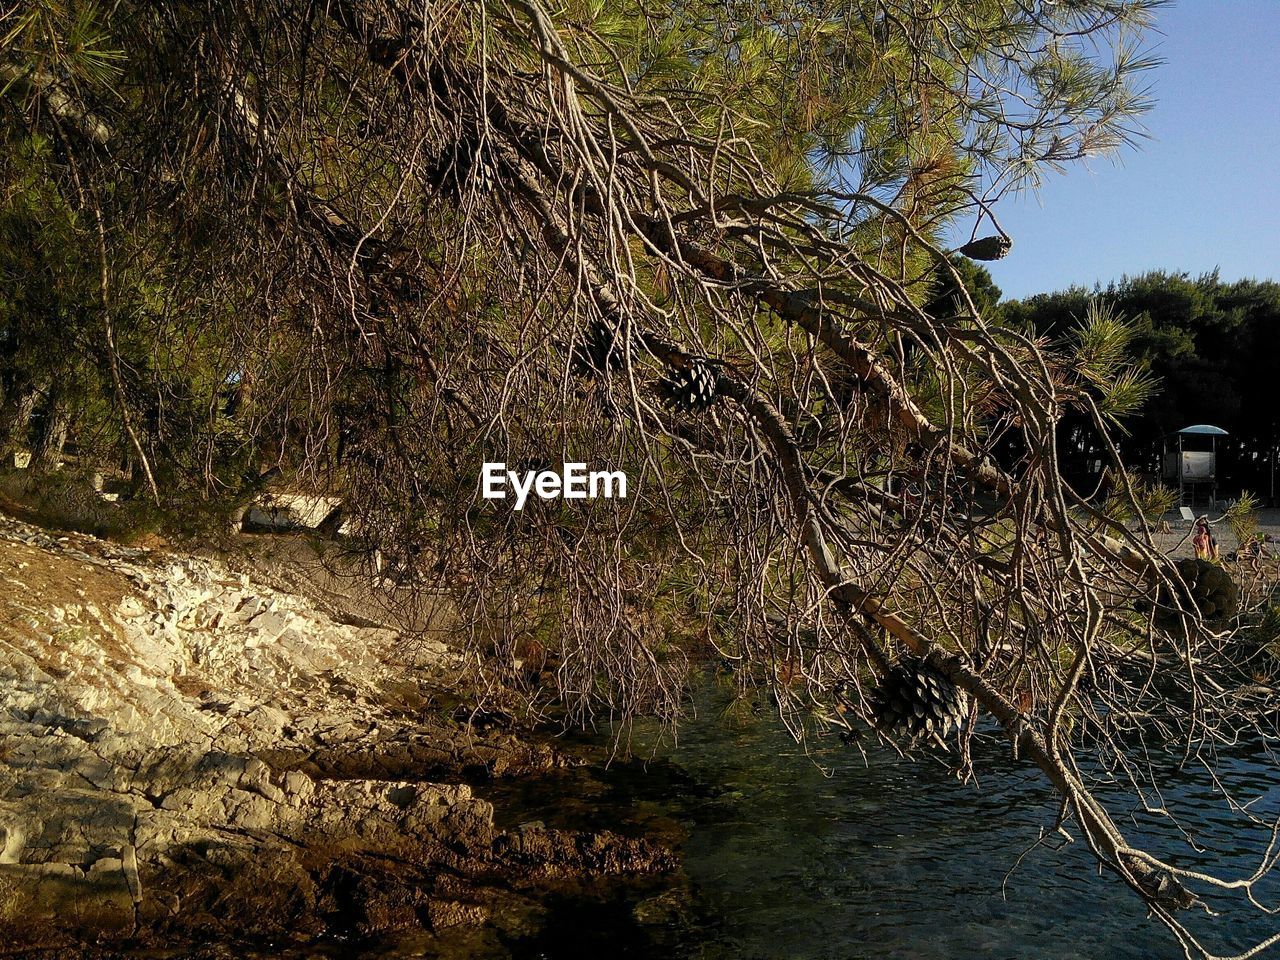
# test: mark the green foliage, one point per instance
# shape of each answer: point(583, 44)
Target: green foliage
point(832, 92)
point(71, 38)
point(1242, 517)
point(1267, 631)
point(1155, 500)
point(66, 500)
point(1151, 497)
point(946, 299)
point(244, 253)
point(1100, 350)
point(829, 95)
point(1213, 347)
point(49, 306)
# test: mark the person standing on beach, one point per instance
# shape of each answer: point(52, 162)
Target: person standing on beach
point(1205, 546)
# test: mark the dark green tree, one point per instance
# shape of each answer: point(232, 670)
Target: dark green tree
point(1212, 348)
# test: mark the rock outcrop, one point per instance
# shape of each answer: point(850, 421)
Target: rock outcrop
point(188, 754)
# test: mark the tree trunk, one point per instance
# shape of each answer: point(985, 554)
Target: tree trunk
point(53, 437)
point(15, 420)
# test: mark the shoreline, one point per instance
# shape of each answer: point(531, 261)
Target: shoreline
point(188, 756)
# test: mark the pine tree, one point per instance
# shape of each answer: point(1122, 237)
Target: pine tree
point(426, 237)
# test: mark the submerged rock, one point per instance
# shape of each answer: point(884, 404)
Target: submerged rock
point(669, 908)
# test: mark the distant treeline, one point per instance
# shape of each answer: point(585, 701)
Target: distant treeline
point(1215, 349)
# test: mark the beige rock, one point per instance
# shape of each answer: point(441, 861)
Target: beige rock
point(190, 732)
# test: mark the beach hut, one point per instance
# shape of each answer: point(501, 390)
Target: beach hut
point(1194, 463)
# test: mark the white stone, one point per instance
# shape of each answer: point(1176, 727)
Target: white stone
point(142, 724)
point(291, 511)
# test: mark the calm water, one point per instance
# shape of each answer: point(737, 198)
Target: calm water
point(815, 855)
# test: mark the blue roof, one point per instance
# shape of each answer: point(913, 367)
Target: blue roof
point(1204, 429)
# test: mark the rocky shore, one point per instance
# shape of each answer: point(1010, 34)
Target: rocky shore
point(189, 756)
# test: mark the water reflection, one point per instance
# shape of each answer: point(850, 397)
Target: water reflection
point(887, 860)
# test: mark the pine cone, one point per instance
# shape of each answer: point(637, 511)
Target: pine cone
point(1209, 591)
point(693, 389)
point(463, 163)
point(987, 248)
point(599, 350)
point(916, 701)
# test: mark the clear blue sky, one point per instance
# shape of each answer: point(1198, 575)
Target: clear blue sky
point(1202, 192)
